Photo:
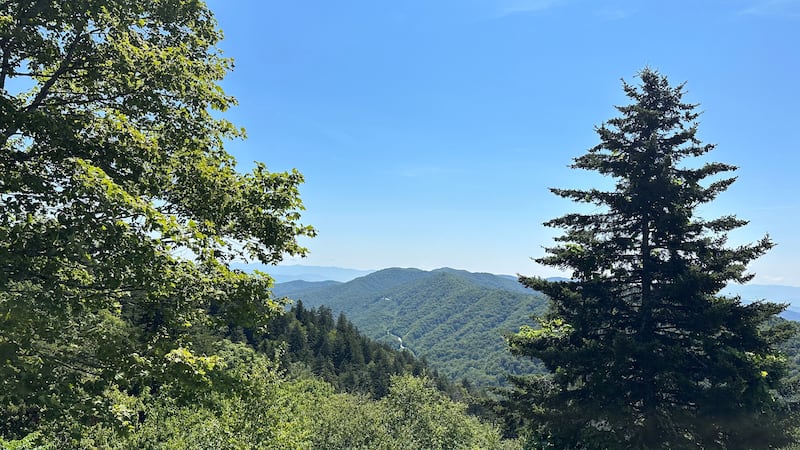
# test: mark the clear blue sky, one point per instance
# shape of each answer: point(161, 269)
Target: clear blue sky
point(429, 130)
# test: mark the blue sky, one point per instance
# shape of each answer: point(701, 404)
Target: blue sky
point(429, 130)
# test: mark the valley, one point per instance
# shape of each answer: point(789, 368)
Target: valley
point(456, 320)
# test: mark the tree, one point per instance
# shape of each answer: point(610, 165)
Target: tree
point(119, 207)
point(417, 415)
point(643, 352)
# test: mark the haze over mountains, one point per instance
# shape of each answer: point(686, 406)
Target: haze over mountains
point(282, 274)
point(770, 292)
point(748, 292)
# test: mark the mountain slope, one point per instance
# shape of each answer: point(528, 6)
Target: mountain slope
point(334, 350)
point(488, 280)
point(454, 319)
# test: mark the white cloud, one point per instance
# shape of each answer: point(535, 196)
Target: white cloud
point(783, 8)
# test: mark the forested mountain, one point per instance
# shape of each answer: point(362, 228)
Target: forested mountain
point(312, 340)
point(455, 319)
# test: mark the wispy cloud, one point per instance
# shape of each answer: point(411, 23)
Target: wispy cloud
point(504, 8)
point(509, 7)
point(783, 8)
point(427, 171)
point(614, 13)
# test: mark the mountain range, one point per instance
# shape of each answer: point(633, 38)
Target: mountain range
point(285, 273)
point(771, 292)
point(749, 292)
point(454, 319)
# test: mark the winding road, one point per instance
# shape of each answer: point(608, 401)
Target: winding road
point(400, 341)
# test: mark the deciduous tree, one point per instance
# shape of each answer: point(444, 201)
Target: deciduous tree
point(119, 207)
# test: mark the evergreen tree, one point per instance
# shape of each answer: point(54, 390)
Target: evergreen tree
point(643, 352)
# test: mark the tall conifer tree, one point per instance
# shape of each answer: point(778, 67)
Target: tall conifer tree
point(644, 352)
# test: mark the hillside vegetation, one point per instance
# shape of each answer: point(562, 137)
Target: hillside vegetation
point(312, 341)
point(455, 319)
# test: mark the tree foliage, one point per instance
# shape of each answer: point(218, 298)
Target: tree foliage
point(260, 409)
point(643, 352)
point(119, 207)
point(336, 352)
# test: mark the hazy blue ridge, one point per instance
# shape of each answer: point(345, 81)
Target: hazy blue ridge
point(285, 273)
point(770, 292)
point(294, 287)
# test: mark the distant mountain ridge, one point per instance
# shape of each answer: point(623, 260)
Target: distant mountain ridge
point(291, 288)
point(453, 318)
point(771, 292)
point(286, 273)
